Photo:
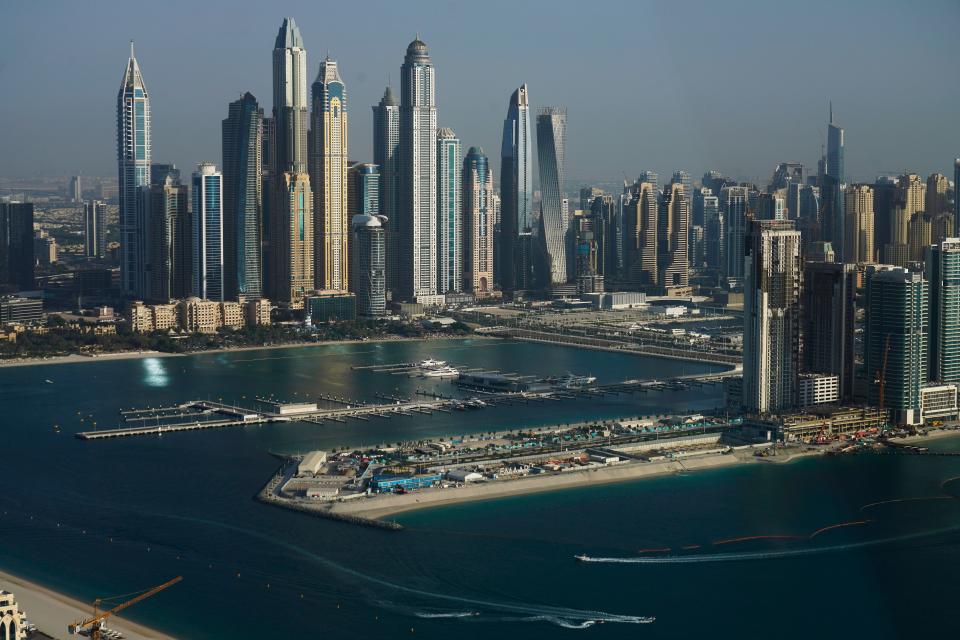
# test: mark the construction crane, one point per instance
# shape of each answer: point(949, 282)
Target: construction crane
point(95, 624)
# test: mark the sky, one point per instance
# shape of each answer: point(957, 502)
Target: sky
point(736, 86)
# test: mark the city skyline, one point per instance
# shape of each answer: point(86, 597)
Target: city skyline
point(607, 139)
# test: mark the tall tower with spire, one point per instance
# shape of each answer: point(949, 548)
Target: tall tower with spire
point(516, 187)
point(328, 175)
point(418, 176)
point(133, 163)
point(291, 213)
point(832, 222)
point(386, 154)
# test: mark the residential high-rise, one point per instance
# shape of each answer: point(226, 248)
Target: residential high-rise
point(477, 224)
point(771, 315)
point(828, 315)
point(450, 238)
point(714, 248)
point(160, 171)
point(516, 191)
point(75, 190)
point(363, 189)
point(207, 237)
point(935, 200)
point(641, 227)
point(832, 219)
point(920, 234)
point(858, 234)
point(673, 232)
point(418, 176)
point(956, 197)
point(291, 208)
point(386, 155)
point(133, 161)
point(16, 245)
point(171, 243)
point(94, 229)
point(884, 197)
point(942, 270)
point(242, 192)
point(551, 147)
point(291, 240)
point(328, 175)
point(605, 211)
point(895, 340)
point(733, 205)
point(368, 262)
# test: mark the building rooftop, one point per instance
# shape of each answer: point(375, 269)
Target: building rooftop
point(289, 35)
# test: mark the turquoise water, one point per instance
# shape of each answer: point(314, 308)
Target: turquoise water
point(101, 518)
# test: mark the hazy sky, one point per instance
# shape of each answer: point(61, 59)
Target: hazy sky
point(736, 86)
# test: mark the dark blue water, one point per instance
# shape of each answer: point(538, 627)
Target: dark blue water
point(101, 518)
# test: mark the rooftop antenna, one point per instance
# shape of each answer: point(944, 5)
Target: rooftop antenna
point(831, 112)
point(131, 48)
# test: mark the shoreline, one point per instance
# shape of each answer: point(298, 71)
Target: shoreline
point(75, 358)
point(52, 611)
point(381, 507)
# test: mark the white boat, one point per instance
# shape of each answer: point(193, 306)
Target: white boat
point(430, 363)
point(441, 372)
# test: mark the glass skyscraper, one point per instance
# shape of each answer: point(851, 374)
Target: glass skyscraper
point(833, 219)
point(133, 160)
point(368, 261)
point(551, 143)
point(733, 204)
point(418, 176)
point(207, 238)
point(516, 192)
point(16, 245)
point(942, 265)
point(94, 229)
point(171, 243)
point(242, 192)
point(386, 155)
point(450, 238)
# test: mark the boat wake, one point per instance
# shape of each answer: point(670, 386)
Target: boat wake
point(451, 614)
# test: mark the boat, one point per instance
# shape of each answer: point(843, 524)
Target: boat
point(430, 363)
point(441, 372)
point(581, 558)
point(571, 381)
point(48, 381)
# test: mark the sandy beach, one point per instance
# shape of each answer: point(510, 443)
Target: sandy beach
point(381, 507)
point(133, 355)
point(52, 611)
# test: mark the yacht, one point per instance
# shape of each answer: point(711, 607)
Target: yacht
point(430, 363)
point(440, 372)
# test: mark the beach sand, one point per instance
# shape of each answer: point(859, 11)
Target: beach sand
point(381, 507)
point(52, 611)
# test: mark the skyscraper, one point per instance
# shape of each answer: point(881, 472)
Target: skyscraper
point(16, 245)
point(94, 229)
point(328, 175)
point(418, 176)
point(450, 239)
point(673, 229)
point(551, 147)
point(640, 245)
point(895, 340)
point(291, 210)
point(858, 235)
point(832, 220)
point(75, 191)
point(516, 191)
point(386, 155)
point(368, 261)
point(828, 314)
point(477, 224)
point(207, 238)
point(942, 267)
point(133, 161)
point(956, 197)
point(363, 189)
point(242, 192)
point(713, 229)
point(771, 315)
point(733, 205)
point(171, 243)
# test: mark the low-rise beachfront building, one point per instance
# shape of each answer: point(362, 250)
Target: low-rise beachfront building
point(938, 401)
point(817, 422)
point(12, 620)
point(311, 464)
point(195, 315)
point(390, 483)
point(463, 475)
point(258, 312)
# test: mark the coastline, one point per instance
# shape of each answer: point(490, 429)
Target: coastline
point(76, 358)
point(52, 611)
point(380, 507)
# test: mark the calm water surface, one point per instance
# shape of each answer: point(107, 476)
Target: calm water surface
point(101, 518)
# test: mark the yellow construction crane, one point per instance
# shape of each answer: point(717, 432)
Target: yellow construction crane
point(94, 624)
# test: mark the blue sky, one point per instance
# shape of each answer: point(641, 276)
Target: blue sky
point(732, 85)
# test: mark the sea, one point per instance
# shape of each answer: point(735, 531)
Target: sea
point(851, 546)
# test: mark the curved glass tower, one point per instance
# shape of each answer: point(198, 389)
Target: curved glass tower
point(551, 140)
